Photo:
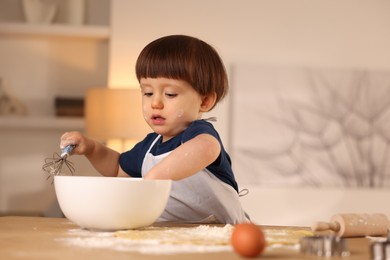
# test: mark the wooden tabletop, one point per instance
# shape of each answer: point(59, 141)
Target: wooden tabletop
point(43, 238)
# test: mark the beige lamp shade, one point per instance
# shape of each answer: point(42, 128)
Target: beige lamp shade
point(114, 114)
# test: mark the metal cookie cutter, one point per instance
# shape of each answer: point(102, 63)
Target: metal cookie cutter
point(324, 245)
point(380, 250)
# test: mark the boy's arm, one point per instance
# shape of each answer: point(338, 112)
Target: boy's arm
point(187, 159)
point(103, 159)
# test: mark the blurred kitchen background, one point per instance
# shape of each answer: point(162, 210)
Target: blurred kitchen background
point(59, 50)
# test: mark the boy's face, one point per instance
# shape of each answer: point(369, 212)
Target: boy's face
point(169, 105)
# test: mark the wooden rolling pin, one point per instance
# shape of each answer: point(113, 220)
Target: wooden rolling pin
point(355, 225)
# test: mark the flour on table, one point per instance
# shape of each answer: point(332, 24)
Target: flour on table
point(201, 235)
point(173, 240)
point(285, 236)
point(156, 240)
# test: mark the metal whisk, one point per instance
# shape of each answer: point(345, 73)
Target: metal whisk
point(53, 165)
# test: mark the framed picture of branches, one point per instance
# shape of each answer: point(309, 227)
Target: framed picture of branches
point(316, 127)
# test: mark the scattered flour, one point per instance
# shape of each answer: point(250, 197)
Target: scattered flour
point(154, 240)
point(176, 240)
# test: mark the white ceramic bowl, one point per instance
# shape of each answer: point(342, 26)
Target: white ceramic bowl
point(111, 203)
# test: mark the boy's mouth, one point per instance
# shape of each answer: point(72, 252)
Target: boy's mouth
point(157, 119)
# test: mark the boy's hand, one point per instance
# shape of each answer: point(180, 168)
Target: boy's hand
point(82, 143)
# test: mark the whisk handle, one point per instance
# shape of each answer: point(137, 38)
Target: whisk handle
point(67, 150)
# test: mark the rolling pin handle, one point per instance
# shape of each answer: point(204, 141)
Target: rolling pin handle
point(325, 226)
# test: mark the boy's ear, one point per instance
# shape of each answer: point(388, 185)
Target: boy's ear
point(208, 102)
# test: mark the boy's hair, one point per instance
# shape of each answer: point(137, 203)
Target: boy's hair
point(184, 58)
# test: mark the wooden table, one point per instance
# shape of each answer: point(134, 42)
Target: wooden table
point(40, 238)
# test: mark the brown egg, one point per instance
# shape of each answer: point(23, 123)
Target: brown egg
point(248, 239)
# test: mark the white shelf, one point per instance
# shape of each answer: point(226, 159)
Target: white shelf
point(55, 30)
point(41, 123)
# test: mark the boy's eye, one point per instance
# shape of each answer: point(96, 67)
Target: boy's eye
point(171, 94)
point(148, 94)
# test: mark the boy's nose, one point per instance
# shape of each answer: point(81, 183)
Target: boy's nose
point(157, 103)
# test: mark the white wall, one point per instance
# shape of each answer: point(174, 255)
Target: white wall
point(348, 33)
